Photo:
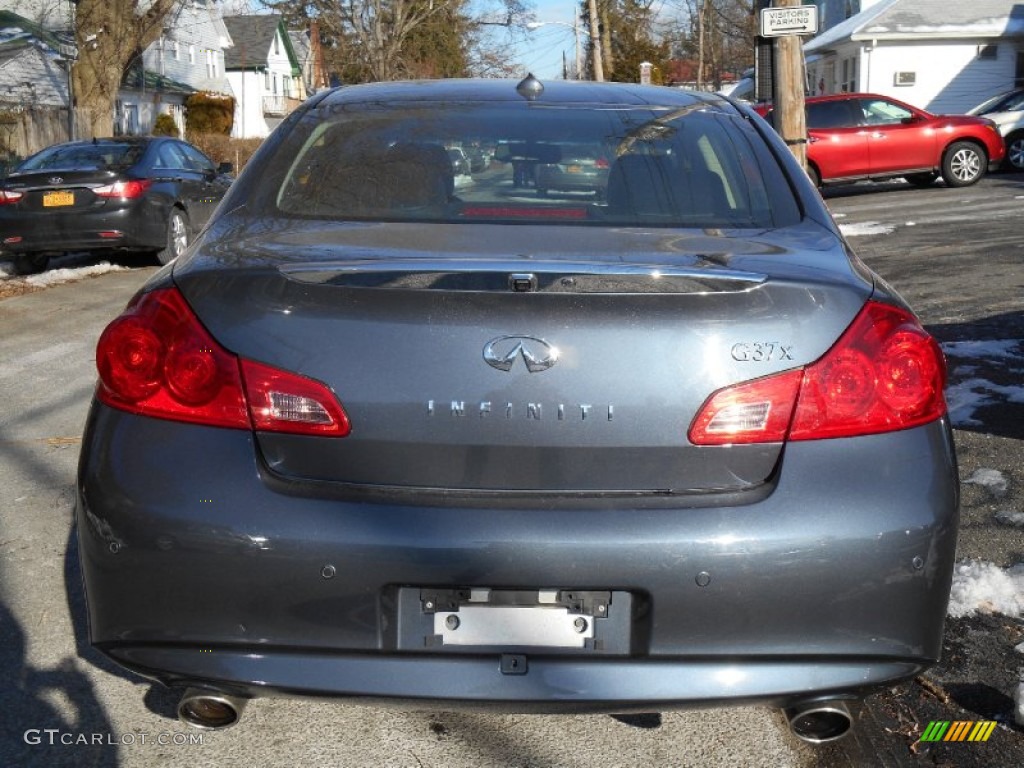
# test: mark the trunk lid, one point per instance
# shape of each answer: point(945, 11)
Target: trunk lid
point(470, 367)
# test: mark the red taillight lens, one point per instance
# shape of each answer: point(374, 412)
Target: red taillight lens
point(884, 374)
point(601, 162)
point(127, 190)
point(7, 196)
point(158, 360)
point(280, 401)
point(756, 411)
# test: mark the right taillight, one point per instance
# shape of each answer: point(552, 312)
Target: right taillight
point(158, 360)
point(884, 374)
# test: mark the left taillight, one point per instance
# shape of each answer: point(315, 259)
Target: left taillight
point(8, 196)
point(885, 373)
point(158, 360)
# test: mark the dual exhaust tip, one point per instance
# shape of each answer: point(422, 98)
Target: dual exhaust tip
point(818, 722)
point(209, 710)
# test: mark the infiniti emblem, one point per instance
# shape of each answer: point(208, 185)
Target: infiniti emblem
point(501, 353)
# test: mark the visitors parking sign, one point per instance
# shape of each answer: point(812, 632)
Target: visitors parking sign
point(792, 20)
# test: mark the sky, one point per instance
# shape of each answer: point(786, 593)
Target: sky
point(541, 52)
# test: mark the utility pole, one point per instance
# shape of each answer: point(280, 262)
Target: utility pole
point(790, 120)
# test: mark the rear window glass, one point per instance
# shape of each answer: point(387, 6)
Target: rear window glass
point(83, 157)
point(623, 165)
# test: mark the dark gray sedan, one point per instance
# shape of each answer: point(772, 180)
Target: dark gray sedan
point(377, 436)
point(128, 193)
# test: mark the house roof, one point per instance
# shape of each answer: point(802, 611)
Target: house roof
point(157, 83)
point(926, 19)
point(252, 37)
point(17, 31)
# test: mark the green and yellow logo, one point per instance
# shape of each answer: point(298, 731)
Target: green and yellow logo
point(958, 730)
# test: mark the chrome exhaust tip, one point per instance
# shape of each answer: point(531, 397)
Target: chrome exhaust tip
point(819, 722)
point(209, 710)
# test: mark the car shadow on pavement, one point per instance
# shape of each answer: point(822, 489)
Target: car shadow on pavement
point(32, 701)
point(985, 390)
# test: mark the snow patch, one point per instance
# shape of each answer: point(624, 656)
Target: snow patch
point(1002, 348)
point(992, 480)
point(58, 276)
point(1006, 517)
point(965, 397)
point(1018, 714)
point(983, 587)
point(866, 228)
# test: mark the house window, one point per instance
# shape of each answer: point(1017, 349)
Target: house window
point(266, 81)
point(277, 45)
point(177, 50)
point(211, 64)
point(191, 54)
point(126, 119)
point(988, 52)
point(848, 84)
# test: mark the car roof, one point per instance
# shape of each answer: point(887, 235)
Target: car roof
point(556, 91)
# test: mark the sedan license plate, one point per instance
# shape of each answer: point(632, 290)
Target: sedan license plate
point(574, 169)
point(58, 199)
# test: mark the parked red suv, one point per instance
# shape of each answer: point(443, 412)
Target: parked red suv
point(855, 136)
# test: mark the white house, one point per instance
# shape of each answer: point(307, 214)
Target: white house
point(264, 72)
point(188, 57)
point(943, 57)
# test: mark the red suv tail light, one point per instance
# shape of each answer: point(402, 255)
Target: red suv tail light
point(158, 360)
point(884, 374)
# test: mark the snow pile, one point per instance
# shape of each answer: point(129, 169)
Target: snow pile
point(1007, 517)
point(58, 276)
point(1018, 714)
point(992, 480)
point(866, 228)
point(982, 587)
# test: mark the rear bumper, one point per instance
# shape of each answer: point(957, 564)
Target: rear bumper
point(142, 225)
point(202, 568)
point(549, 685)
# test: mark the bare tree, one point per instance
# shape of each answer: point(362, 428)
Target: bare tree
point(110, 35)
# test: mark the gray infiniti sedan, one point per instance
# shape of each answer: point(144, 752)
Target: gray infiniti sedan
point(379, 437)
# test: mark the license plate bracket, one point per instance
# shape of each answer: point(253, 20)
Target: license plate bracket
point(475, 619)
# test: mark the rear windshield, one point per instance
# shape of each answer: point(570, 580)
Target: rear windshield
point(85, 157)
point(628, 165)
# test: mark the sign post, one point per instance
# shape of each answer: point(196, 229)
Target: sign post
point(786, 21)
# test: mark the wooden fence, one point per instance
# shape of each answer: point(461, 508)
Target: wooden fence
point(25, 129)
